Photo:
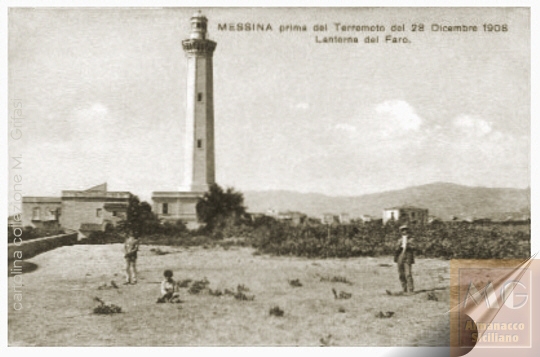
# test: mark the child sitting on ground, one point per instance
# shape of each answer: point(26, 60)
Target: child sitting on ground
point(169, 289)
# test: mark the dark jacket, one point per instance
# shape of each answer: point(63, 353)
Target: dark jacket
point(408, 258)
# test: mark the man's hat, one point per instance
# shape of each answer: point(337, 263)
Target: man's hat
point(404, 228)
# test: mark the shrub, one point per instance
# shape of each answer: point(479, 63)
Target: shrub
point(447, 240)
point(276, 311)
point(183, 240)
point(295, 283)
point(336, 279)
point(106, 309)
point(220, 208)
point(243, 297)
point(242, 288)
point(99, 237)
point(198, 286)
point(216, 292)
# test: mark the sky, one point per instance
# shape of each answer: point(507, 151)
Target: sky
point(103, 96)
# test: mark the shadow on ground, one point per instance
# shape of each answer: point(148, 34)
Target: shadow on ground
point(24, 267)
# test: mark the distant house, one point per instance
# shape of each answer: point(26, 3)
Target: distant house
point(344, 218)
point(255, 215)
point(329, 218)
point(298, 217)
point(366, 218)
point(409, 214)
point(313, 221)
point(85, 211)
point(289, 216)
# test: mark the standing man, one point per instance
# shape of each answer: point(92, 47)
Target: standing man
point(404, 257)
point(131, 246)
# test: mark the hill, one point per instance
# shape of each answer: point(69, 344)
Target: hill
point(443, 200)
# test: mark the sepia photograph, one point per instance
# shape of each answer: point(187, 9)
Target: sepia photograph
point(260, 176)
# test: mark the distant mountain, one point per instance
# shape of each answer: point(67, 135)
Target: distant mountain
point(443, 200)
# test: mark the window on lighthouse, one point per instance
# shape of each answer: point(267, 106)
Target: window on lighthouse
point(199, 97)
point(199, 143)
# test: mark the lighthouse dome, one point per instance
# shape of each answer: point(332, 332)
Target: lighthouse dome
point(198, 14)
point(198, 26)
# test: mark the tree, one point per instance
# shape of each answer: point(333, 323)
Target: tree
point(140, 218)
point(217, 207)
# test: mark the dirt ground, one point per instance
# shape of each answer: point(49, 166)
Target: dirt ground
point(58, 299)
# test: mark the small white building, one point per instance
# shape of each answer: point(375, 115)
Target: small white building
point(344, 218)
point(366, 218)
point(409, 214)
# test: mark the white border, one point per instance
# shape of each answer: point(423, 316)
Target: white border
point(371, 351)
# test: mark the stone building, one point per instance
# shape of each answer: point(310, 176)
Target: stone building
point(83, 211)
point(41, 212)
point(409, 214)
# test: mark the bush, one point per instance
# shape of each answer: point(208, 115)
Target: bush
point(336, 279)
point(198, 286)
point(447, 240)
point(172, 229)
point(106, 309)
point(184, 240)
point(221, 210)
point(99, 237)
point(276, 311)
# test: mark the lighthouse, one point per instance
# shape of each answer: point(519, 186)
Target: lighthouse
point(198, 169)
point(199, 165)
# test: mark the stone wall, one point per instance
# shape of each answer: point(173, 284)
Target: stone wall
point(31, 248)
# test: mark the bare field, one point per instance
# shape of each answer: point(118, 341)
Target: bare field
point(58, 301)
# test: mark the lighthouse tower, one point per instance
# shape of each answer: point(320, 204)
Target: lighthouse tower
point(199, 163)
point(199, 172)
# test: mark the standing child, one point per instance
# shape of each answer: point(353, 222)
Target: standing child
point(404, 257)
point(131, 247)
point(169, 289)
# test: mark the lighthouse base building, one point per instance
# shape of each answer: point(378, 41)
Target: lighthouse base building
point(177, 205)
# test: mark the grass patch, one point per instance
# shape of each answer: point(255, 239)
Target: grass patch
point(336, 279)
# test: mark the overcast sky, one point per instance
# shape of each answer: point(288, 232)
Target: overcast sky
point(103, 93)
